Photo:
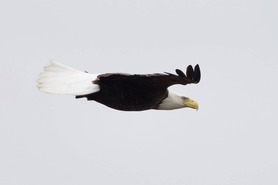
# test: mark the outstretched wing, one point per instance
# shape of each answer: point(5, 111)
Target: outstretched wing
point(158, 80)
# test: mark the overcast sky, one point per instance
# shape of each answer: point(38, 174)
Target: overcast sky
point(58, 140)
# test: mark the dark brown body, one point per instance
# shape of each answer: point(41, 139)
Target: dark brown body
point(138, 92)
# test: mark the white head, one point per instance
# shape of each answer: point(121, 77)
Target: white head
point(174, 101)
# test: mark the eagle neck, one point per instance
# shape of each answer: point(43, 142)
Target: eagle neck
point(172, 101)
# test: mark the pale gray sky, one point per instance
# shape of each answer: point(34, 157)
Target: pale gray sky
point(231, 140)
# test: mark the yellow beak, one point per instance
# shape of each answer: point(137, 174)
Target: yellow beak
point(191, 103)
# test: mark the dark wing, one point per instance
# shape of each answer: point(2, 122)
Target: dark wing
point(191, 76)
point(160, 81)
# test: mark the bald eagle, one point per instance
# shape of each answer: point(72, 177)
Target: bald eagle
point(126, 92)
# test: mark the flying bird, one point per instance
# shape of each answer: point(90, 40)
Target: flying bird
point(121, 91)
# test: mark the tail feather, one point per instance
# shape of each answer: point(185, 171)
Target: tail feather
point(60, 79)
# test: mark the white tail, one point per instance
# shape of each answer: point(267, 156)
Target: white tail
point(60, 79)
